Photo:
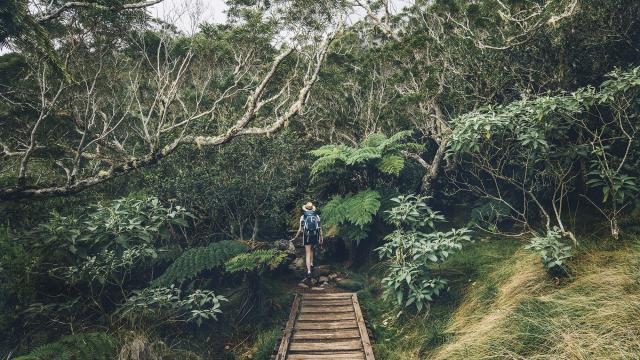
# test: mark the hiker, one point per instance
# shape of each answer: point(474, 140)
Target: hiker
point(311, 233)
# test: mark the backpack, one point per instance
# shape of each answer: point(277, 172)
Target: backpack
point(310, 222)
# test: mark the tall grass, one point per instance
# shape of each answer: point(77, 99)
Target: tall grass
point(502, 305)
point(594, 316)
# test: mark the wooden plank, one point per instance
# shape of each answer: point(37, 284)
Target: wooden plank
point(323, 309)
point(335, 302)
point(327, 316)
point(325, 346)
point(368, 351)
point(288, 330)
point(328, 296)
point(348, 324)
point(326, 334)
point(342, 355)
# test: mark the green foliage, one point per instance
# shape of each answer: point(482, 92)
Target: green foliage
point(17, 25)
point(384, 153)
point(354, 211)
point(615, 187)
point(95, 346)
point(554, 253)
point(196, 260)
point(170, 304)
point(411, 252)
point(108, 239)
point(265, 343)
point(256, 261)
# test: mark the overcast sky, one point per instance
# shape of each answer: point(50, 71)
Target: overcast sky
point(174, 11)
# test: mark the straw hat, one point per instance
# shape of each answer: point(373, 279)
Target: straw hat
point(308, 207)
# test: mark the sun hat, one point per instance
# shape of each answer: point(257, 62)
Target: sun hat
point(308, 207)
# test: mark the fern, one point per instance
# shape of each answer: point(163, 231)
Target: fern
point(328, 156)
point(391, 164)
point(357, 209)
point(385, 152)
point(95, 346)
point(256, 260)
point(363, 155)
point(196, 260)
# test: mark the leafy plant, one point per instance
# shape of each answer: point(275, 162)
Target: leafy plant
point(411, 251)
point(255, 260)
point(196, 260)
point(554, 253)
point(97, 345)
point(170, 304)
point(352, 213)
point(385, 153)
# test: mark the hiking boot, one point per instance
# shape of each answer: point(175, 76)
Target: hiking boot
point(309, 275)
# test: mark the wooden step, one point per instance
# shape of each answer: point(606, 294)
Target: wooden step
point(328, 296)
point(325, 309)
point(338, 355)
point(320, 346)
point(327, 316)
point(350, 324)
point(326, 334)
point(334, 302)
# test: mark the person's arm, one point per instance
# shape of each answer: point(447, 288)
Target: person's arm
point(320, 225)
point(298, 232)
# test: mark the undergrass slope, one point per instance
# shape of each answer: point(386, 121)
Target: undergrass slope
point(511, 309)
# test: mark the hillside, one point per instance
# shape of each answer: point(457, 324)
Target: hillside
point(511, 309)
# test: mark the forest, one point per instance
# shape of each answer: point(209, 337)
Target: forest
point(475, 164)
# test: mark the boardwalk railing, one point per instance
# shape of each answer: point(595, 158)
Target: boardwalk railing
point(325, 326)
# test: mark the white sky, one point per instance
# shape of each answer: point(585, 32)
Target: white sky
point(174, 11)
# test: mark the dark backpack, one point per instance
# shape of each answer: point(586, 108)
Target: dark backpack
point(310, 222)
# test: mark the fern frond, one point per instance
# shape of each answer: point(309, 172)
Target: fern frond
point(374, 140)
point(364, 154)
point(255, 260)
point(391, 164)
point(95, 346)
point(357, 209)
point(361, 207)
point(397, 138)
point(333, 212)
point(196, 260)
point(328, 156)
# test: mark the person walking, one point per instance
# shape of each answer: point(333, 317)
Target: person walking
point(311, 231)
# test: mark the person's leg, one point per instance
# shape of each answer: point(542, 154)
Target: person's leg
point(308, 249)
point(311, 266)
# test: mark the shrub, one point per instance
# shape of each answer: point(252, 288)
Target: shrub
point(411, 251)
point(170, 304)
point(554, 253)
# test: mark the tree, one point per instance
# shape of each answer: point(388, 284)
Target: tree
point(134, 108)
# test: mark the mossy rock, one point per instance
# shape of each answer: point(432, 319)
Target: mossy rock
point(350, 284)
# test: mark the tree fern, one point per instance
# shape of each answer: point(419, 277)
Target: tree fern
point(95, 346)
point(385, 153)
point(19, 26)
point(363, 155)
point(196, 260)
point(357, 209)
point(391, 164)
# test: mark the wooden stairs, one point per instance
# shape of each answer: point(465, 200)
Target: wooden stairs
point(324, 326)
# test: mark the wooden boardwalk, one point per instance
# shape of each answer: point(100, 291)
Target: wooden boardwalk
point(325, 326)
